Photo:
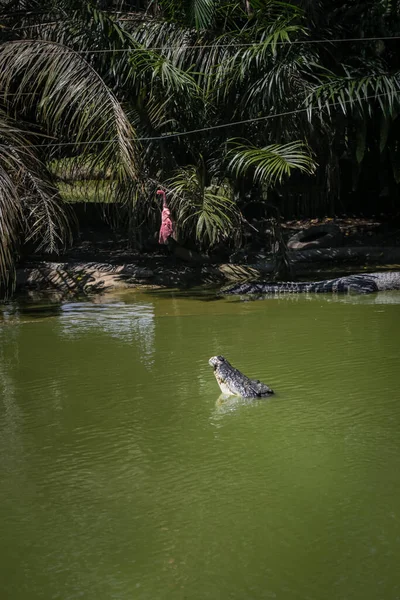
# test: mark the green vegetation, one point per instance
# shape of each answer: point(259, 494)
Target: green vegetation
point(86, 191)
point(222, 103)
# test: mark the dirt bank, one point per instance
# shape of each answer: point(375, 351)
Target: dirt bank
point(97, 263)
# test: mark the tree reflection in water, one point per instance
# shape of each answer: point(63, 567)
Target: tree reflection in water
point(126, 322)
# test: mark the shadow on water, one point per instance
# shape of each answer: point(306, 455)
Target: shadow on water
point(39, 308)
point(21, 309)
point(202, 293)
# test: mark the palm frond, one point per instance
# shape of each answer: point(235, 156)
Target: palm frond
point(207, 213)
point(201, 13)
point(253, 69)
point(71, 99)
point(271, 163)
point(193, 13)
point(352, 92)
point(30, 206)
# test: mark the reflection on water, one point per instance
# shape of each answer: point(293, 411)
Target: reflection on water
point(123, 475)
point(385, 297)
point(125, 322)
point(229, 405)
point(389, 297)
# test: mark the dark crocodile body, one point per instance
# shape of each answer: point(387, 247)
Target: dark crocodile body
point(367, 283)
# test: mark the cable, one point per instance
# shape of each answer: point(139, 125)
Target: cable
point(200, 46)
point(212, 127)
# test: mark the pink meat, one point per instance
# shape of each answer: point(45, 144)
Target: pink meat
point(167, 225)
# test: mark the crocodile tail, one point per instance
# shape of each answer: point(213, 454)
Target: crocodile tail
point(359, 284)
point(343, 285)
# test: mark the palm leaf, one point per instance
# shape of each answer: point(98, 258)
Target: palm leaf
point(194, 13)
point(30, 206)
point(201, 13)
point(70, 99)
point(206, 213)
point(271, 163)
point(352, 91)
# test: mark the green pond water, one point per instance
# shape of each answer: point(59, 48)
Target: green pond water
point(123, 477)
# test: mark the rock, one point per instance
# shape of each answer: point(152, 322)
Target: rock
point(320, 236)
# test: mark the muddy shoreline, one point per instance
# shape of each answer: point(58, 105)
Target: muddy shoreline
point(99, 263)
point(90, 277)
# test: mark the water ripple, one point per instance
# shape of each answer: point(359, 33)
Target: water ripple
point(123, 475)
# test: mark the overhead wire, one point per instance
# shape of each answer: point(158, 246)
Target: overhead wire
point(203, 129)
point(200, 46)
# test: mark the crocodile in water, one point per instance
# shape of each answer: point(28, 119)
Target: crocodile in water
point(233, 383)
point(360, 284)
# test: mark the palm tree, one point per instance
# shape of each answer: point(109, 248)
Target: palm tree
point(71, 105)
point(157, 93)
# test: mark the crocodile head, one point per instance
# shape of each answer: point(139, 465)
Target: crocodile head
point(233, 383)
point(222, 371)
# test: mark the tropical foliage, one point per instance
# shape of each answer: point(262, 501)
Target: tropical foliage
point(220, 102)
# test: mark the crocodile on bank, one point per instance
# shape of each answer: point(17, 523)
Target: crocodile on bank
point(233, 383)
point(360, 284)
